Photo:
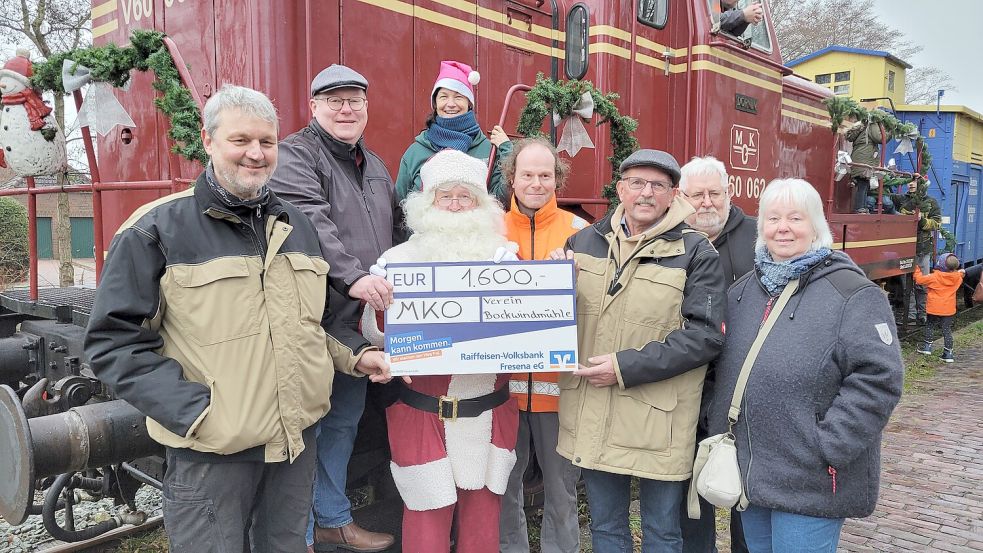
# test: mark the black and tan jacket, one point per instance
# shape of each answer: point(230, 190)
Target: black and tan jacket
point(208, 320)
point(656, 300)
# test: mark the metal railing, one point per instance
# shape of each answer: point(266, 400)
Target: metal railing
point(97, 187)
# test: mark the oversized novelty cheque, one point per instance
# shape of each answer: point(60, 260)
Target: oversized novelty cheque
point(481, 317)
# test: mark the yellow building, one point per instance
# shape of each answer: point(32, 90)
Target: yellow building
point(855, 72)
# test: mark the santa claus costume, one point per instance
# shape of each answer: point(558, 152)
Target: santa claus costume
point(442, 463)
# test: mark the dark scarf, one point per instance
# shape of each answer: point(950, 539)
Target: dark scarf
point(230, 199)
point(775, 275)
point(36, 109)
point(456, 133)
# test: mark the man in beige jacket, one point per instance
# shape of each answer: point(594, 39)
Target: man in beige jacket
point(650, 311)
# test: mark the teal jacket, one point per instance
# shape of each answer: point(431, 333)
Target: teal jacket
point(420, 151)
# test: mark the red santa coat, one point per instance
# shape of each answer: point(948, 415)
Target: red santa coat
point(432, 458)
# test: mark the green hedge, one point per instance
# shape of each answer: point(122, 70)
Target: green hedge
point(13, 242)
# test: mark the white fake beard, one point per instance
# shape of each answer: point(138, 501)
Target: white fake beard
point(441, 235)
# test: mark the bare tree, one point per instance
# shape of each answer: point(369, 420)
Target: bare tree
point(51, 26)
point(805, 26)
point(922, 85)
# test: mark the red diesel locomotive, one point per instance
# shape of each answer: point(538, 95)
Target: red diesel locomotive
point(693, 89)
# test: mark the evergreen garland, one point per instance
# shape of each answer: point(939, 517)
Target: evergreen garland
point(950, 240)
point(550, 95)
point(112, 64)
point(840, 108)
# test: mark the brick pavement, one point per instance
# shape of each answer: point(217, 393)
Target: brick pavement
point(932, 468)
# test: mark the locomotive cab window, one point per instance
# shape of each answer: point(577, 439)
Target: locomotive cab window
point(756, 35)
point(653, 12)
point(575, 64)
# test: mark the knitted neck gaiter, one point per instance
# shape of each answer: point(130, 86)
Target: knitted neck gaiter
point(775, 275)
point(456, 132)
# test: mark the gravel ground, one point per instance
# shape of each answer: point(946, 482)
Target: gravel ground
point(31, 536)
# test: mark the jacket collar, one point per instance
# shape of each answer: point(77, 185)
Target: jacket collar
point(424, 141)
point(735, 216)
point(339, 149)
point(213, 206)
point(542, 217)
point(673, 220)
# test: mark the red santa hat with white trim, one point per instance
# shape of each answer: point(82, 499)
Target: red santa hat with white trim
point(19, 68)
point(458, 77)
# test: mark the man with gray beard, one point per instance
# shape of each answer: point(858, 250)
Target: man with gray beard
point(704, 184)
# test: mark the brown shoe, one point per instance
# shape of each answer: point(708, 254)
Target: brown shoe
point(353, 538)
point(310, 549)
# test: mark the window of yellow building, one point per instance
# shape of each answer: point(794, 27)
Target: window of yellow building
point(841, 89)
point(890, 81)
point(822, 79)
point(842, 76)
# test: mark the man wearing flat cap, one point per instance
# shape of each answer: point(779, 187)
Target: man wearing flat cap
point(326, 171)
point(650, 309)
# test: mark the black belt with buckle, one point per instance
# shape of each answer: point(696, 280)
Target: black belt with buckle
point(450, 408)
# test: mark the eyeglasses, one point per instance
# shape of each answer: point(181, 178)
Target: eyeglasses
point(637, 184)
point(335, 103)
point(463, 201)
point(715, 195)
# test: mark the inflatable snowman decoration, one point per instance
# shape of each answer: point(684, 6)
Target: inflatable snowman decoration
point(30, 141)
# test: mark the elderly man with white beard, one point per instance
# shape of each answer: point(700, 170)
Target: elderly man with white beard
point(704, 184)
point(462, 463)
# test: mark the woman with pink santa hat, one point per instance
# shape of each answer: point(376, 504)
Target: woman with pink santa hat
point(452, 124)
point(458, 462)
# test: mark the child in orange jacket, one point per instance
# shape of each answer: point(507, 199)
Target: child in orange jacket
point(942, 285)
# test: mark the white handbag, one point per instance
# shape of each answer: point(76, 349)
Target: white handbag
point(716, 473)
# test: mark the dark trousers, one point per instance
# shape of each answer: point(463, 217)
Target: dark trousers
point(235, 507)
point(861, 186)
point(700, 535)
point(945, 323)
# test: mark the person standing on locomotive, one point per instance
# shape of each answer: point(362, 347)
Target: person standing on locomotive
point(866, 138)
point(929, 221)
point(535, 171)
point(650, 313)
point(327, 171)
point(452, 124)
point(195, 323)
point(704, 184)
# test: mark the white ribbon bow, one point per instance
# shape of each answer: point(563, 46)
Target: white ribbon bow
point(904, 145)
point(100, 110)
point(574, 136)
point(842, 165)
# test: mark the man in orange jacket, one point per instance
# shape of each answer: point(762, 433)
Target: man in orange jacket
point(535, 172)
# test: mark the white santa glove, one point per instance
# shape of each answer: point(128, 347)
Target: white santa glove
point(506, 253)
point(379, 269)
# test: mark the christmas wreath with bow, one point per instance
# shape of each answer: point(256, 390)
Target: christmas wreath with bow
point(571, 101)
point(112, 64)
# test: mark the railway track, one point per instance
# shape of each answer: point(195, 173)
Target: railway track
point(93, 544)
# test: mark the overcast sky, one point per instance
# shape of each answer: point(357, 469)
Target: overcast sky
point(948, 31)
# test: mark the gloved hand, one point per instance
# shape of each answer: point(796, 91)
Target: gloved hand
point(379, 268)
point(506, 253)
